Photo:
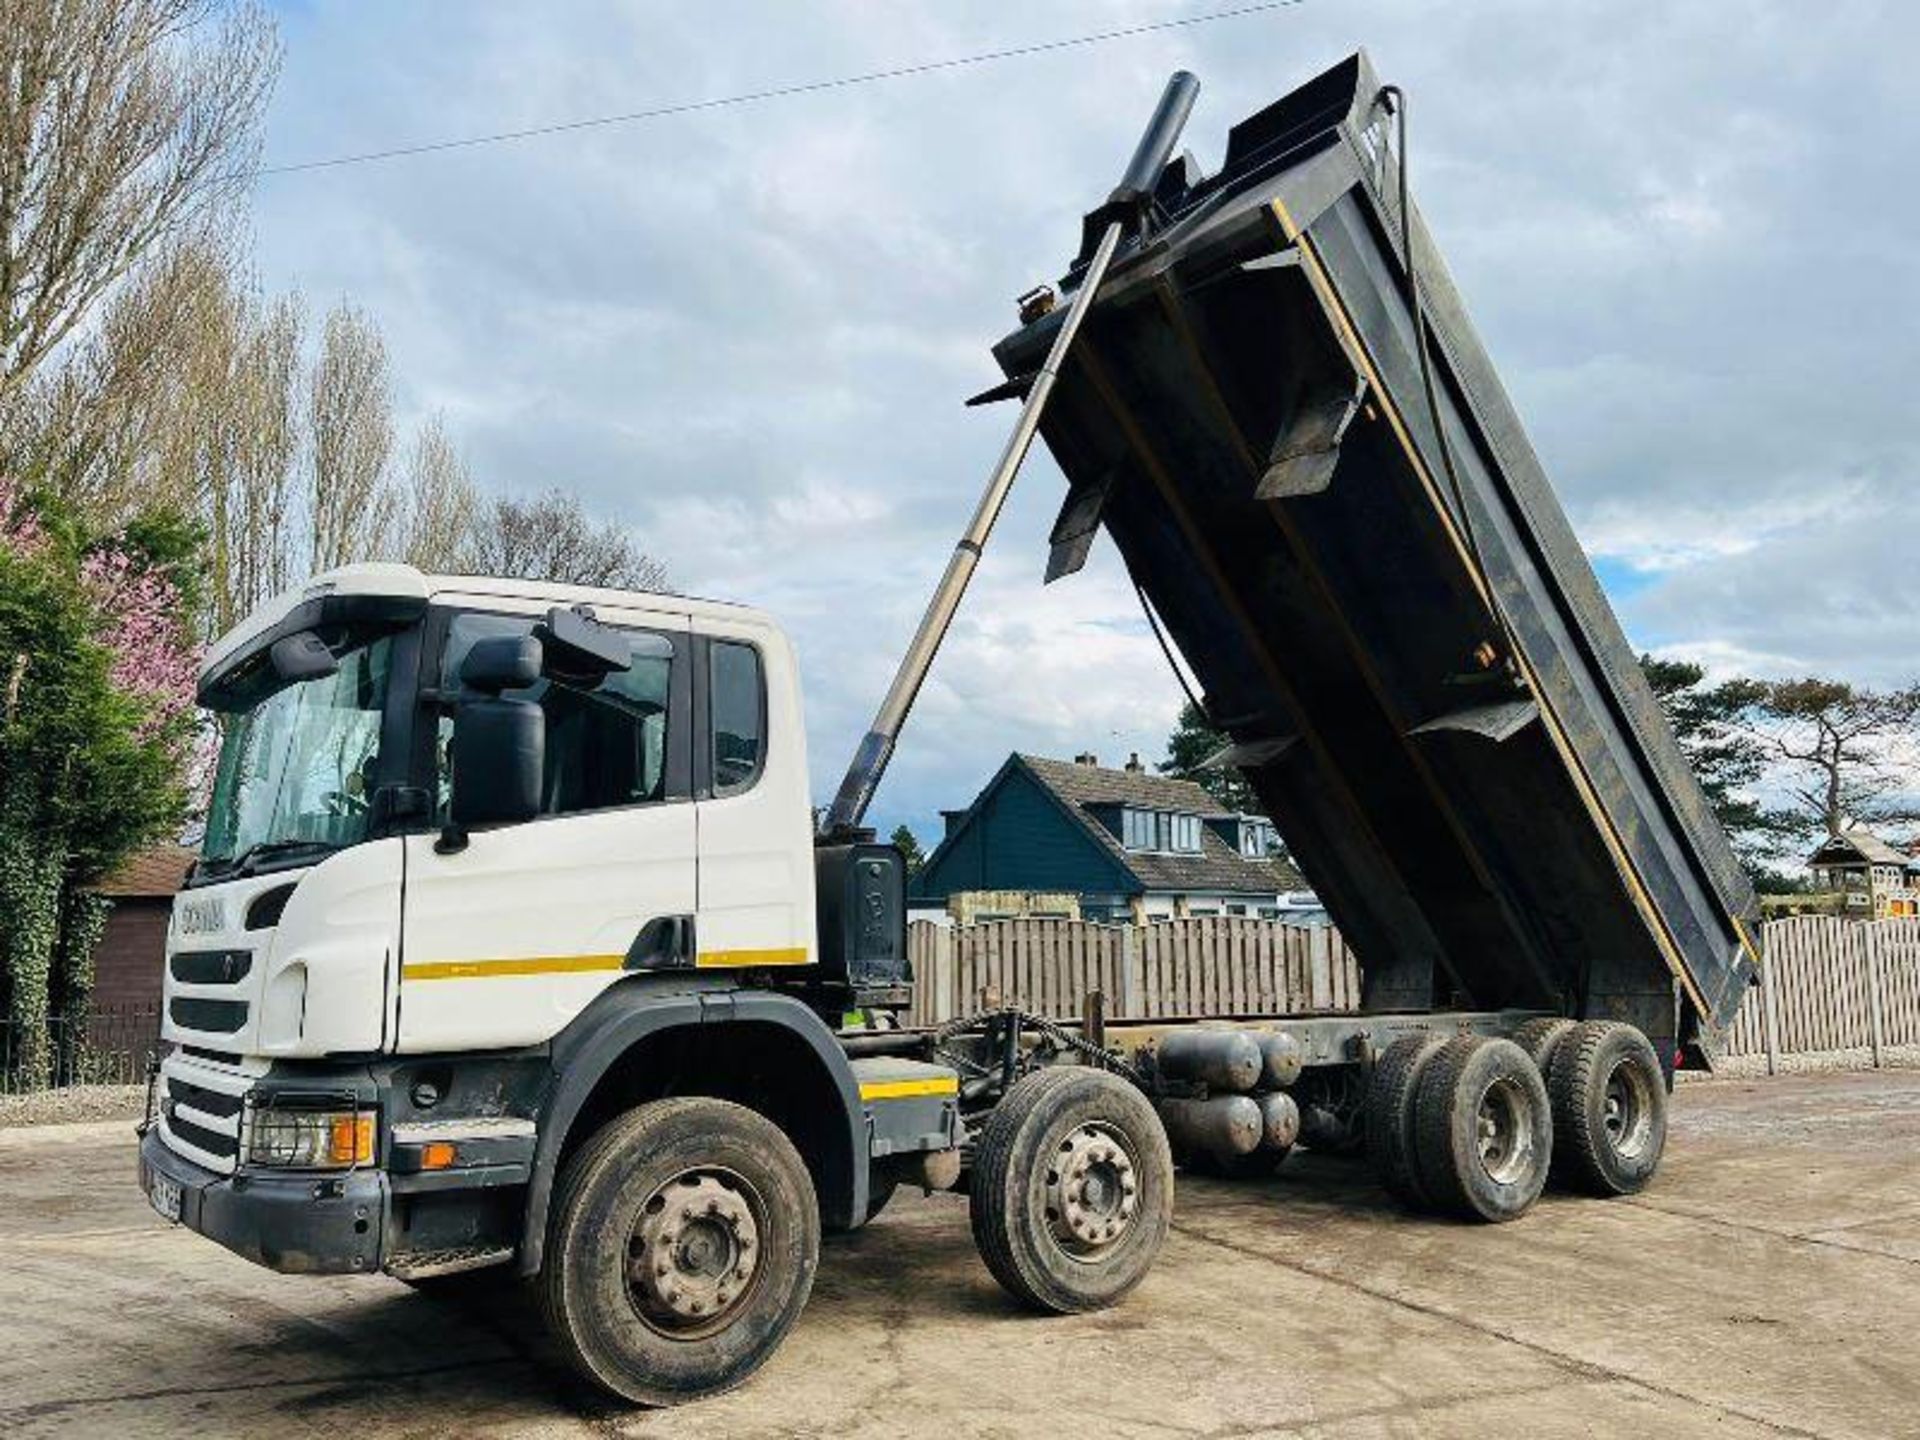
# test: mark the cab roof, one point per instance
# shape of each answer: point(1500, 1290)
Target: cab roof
point(404, 582)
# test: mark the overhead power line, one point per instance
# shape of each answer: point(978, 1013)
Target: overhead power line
point(778, 92)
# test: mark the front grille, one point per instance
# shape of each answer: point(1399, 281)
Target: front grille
point(211, 967)
point(212, 1017)
point(203, 1104)
point(201, 1138)
point(199, 1097)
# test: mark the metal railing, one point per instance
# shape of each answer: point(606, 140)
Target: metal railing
point(109, 1045)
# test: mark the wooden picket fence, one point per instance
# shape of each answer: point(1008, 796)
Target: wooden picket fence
point(1215, 966)
point(1836, 991)
point(1848, 990)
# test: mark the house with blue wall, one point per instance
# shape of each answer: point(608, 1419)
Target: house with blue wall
point(1110, 844)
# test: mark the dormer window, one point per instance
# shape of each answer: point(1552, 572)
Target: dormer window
point(1258, 839)
point(1160, 830)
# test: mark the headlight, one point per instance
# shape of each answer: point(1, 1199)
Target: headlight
point(307, 1139)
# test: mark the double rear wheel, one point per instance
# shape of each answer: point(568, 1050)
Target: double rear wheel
point(1474, 1125)
point(1609, 1109)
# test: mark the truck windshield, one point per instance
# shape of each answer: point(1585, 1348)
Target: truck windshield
point(295, 770)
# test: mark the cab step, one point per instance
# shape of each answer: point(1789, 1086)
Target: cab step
point(428, 1264)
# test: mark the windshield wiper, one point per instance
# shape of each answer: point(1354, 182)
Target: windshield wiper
point(247, 862)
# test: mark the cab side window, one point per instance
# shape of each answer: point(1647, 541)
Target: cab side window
point(737, 701)
point(606, 745)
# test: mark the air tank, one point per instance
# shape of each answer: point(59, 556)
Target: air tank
point(1226, 1060)
point(1279, 1120)
point(1223, 1125)
point(1281, 1059)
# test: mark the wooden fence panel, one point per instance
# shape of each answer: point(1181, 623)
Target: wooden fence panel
point(1829, 986)
point(1209, 966)
point(1832, 987)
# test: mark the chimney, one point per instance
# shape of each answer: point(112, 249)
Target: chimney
point(1134, 767)
point(951, 820)
point(1086, 757)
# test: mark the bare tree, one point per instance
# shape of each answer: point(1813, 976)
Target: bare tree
point(104, 427)
point(1845, 754)
point(124, 125)
point(441, 507)
point(183, 398)
point(251, 449)
point(552, 538)
point(352, 509)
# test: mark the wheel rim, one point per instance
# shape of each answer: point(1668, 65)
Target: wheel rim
point(1503, 1131)
point(1627, 1111)
point(693, 1256)
point(1093, 1191)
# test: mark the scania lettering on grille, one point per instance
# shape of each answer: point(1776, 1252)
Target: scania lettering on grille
point(202, 915)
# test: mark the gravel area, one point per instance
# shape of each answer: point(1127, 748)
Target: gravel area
point(72, 1105)
point(1762, 1287)
point(1822, 1062)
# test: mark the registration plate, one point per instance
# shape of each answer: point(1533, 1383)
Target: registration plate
point(164, 1195)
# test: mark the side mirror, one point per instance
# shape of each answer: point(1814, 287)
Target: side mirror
point(499, 754)
point(302, 655)
point(501, 662)
point(577, 647)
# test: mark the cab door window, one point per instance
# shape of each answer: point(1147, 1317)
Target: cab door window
point(607, 745)
point(737, 702)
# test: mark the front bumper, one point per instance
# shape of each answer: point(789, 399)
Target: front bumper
point(299, 1224)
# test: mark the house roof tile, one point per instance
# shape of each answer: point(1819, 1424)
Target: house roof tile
point(155, 872)
point(1218, 868)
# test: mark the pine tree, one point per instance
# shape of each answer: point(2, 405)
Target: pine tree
point(1191, 744)
point(908, 845)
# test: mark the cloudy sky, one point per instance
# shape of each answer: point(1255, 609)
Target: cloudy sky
point(1685, 230)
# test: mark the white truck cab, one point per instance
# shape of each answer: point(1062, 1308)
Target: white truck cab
point(672, 825)
point(469, 841)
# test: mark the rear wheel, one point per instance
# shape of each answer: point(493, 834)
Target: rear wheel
point(1072, 1189)
point(1483, 1129)
point(684, 1244)
point(1609, 1109)
point(1540, 1038)
point(1389, 1116)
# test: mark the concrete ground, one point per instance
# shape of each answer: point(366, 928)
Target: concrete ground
point(1768, 1284)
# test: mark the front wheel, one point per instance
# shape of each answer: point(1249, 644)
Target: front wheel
point(1072, 1189)
point(685, 1239)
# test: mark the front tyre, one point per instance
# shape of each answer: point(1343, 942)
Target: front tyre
point(1072, 1189)
point(685, 1239)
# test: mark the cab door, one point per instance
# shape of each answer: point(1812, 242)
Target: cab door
point(507, 939)
point(756, 820)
